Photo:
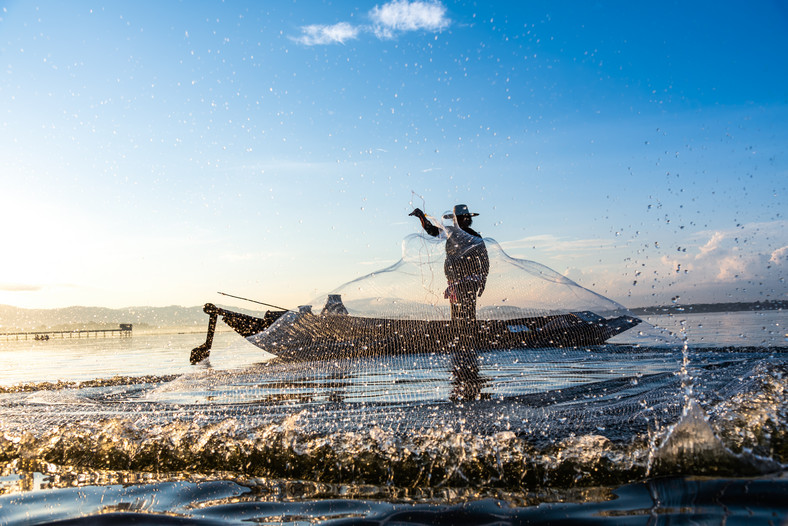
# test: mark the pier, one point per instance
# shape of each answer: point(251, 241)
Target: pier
point(123, 331)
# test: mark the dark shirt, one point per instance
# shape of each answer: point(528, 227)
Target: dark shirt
point(466, 254)
point(466, 257)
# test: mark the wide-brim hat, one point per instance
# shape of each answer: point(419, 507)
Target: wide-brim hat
point(460, 210)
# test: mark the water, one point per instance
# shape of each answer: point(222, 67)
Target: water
point(125, 430)
point(82, 359)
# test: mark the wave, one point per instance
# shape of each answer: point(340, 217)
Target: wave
point(609, 432)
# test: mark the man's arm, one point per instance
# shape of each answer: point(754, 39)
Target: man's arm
point(425, 223)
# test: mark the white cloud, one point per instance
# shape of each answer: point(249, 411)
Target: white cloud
point(320, 34)
point(779, 256)
point(747, 263)
point(402, 15)
point(741, 253)
point(735, 265)
point(735, 261)
point(551, 244)
point(711, 245)
point(387, 20)
point(19, 287)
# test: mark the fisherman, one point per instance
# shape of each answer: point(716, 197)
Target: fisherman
point(467, 263)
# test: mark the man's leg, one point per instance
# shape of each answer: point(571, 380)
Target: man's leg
point(467, 298)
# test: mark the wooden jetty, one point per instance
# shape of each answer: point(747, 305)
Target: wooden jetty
point(123, 331)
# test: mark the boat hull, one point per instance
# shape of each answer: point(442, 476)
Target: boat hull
point(303, 336)
point(332, 337)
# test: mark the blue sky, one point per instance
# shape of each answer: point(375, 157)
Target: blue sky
point(153, 153)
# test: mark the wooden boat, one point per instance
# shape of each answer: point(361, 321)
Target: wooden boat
point(336, 335)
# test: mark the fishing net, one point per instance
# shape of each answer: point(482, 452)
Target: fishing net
point(448, 291)
point(458, 311)
point(410, 377)
point(419, 286)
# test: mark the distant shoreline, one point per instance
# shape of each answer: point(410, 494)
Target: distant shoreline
point(753, 306)
point(193, 319)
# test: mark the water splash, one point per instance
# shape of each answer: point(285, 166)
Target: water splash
point(589, 432)
point(691, 447)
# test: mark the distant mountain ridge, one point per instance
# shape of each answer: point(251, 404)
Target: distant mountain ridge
point(737, 306)
point(13, 319)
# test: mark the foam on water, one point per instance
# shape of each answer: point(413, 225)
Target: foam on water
point(583, 434)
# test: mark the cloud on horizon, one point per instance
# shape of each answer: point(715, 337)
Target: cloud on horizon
point(559, 247)
point(388, 20)
point(779, 256)
point(739, 264)
point(745, 252)
point(742, 262)
point(19, 287)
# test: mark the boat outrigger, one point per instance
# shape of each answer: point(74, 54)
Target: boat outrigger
point(243, 324)
point(333, 334)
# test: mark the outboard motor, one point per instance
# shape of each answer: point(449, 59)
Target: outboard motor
point(334, 305)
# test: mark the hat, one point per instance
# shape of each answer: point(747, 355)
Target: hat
point(460, 210)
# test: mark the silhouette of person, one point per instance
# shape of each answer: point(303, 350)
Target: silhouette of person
point(467, 264)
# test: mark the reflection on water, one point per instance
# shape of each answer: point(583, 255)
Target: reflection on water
point(166, 353)
point(662, 501)
point(243, 439)
point(466, 381)
point(461, 375)
point(142, 354)
point(759, 328)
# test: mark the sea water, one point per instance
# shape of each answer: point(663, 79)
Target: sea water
point(125, 430)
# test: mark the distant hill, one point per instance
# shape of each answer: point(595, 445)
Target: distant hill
point(14, 319)
point(713, 307)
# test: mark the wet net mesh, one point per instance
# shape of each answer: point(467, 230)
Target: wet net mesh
point(457, 366)
point(418, 286)
point(456, 309)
